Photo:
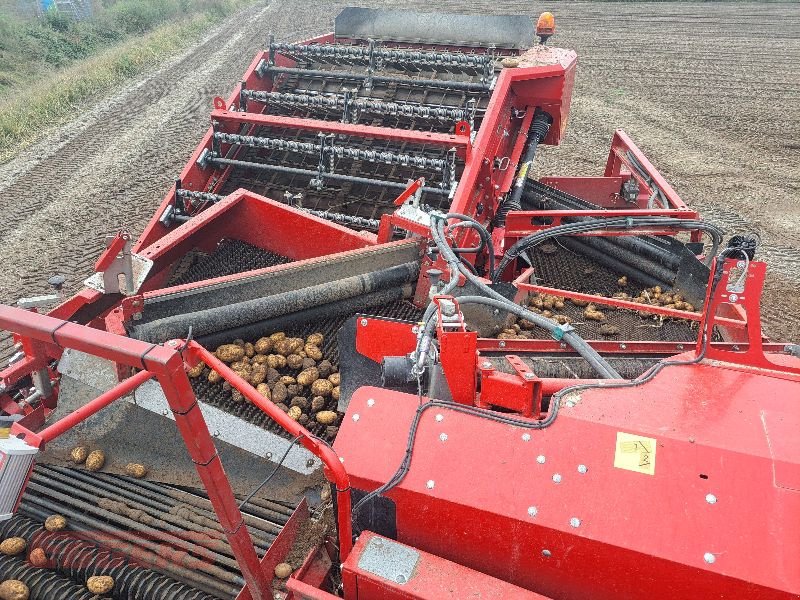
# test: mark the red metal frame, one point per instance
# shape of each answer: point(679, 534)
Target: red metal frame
point(166, 364)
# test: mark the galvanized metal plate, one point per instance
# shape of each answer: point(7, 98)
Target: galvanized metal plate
point(389, 559)
point(500, 31)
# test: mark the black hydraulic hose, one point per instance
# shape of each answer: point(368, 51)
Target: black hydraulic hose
point(614, 223)
point(603, 368)
point(540, 125)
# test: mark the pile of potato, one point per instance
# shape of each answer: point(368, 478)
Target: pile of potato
point(291, 372)
point(655, 296)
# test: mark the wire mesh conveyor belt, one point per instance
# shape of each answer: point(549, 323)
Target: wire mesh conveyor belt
point(157, 541)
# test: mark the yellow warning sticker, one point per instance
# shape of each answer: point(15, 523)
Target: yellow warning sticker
point(635, 453)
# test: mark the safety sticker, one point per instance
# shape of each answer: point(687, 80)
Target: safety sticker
point(635, 453)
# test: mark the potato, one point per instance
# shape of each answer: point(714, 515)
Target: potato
point(79, 454)
point(622, 281)
point(547, 313)
point(331, 431)
point(335, 393)
point(238, 342)
point(315, 339)
point(96, 460)
point(249, 350)
point(507, 336)
point(294, 361)
point(510, 62)
point(689, 307)
point(264, 390)
point(258, 375)
point(13, 546)
point(308, 363)
point(313, 351)
point(196, 370)
point(308, 376)
point(283, 347)
point(593, 314)
point(283, 570)
point(326, 417)
point(214, 377)
point(317, 403)
point(260, 359)
point(335, 379)
point(608, 329)
point(577, 302)
point(303, 420)
point(287, 380)
point(322, 387)
point(55, 523)
point(300, 402)
point(276, 361)
point(549, 302)
point(13, 589)
point(100, 584)
point(558, 303)
point(279, 393)
point(230, 353)
point(38, 558)
point(296, 345)
point(241, 365)
point(325, 368)
point(277, 336)
point(135, 470)
point(293, 389)
point(562, 319)
point(294, 412)
point(263, 345)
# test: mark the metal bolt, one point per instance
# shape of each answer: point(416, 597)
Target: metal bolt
point(563, 345)
point(735, 347)
point(443, 437)
point(680, 346)
point(526, 437)
point(363, 322)
point(401, 578)
point(709, 558)
point(439, 418)
point(310, 462)
point(486, 364)
point(733, 297)
point(216, 433)
point(269, 456)
point(546, 553)
point(557, 478)
point(430, 484)
point(529, 375)
point(623, 346)
point(502, 344)
point(370, 402)
point(582, 469)
point(711, 498)
point(540, 459)
point(575, 522)
point(165, 412)
point(532, 511)
point(356, 417)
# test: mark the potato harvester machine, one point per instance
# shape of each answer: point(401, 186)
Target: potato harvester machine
point(362, 352)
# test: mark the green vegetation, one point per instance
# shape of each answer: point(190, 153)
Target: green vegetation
point(50, 66)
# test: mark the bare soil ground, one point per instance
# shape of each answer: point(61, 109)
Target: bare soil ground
point(710, 91)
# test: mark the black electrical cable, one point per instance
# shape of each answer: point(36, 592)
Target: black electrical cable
point(271, 475)
point(602, 223)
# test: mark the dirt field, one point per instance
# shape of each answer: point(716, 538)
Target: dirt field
point(710, 91)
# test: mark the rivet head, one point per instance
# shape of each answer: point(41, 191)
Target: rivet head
point(546, 553)
point(711, 498)
point(401, 579)
point(443, 437)
point(709, 558)
point(216, 433)
point(502, 344)
point(532, 511)
point(526, 437)
point(575, 522)
point(370, 402)
point(356, 417)
point(529, 375)
point(557, 477)
point(363, 322)
point(439, 418)
point(582, 469)
point(430, 484)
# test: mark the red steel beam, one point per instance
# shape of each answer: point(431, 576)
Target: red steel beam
point(366, 131)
